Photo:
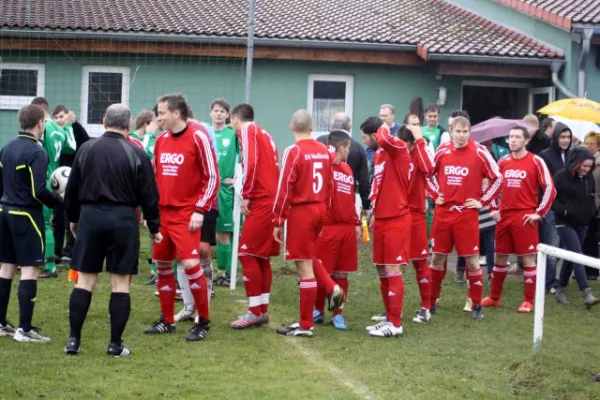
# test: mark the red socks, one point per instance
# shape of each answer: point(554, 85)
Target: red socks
point(498, 276)
point(475, 286)
point(199, 290)
point(320, 300)
point(395, 296)
point(166, 293)
point(529, 276)
point(424, 280)
point(343, 282)
point(383, 285)
point(266, 275)
point(252, 282)
point(322, 276)
point(437, 277)
point(308, 296)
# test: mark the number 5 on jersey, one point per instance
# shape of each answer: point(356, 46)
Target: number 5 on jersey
point(318, 184)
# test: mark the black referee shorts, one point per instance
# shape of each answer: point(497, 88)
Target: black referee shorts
point(107, 232)
point(208, 233)
point(22, 236)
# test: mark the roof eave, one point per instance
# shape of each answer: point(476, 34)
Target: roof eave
point(210, 39)
point(494, 59)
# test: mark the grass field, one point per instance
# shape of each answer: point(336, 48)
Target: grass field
point(451, 358)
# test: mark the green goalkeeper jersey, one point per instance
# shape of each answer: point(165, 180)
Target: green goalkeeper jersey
point(228, 148)
point(57, 141)
point(148, 141)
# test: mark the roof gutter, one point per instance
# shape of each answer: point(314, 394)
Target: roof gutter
point(494, 59)
point(556, 67)
point(585, 51)
point(199, 39)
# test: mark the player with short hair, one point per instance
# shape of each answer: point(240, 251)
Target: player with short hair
point(188, 181)
point(392, 220)
point(336, 245)
point(23, 190)
point(228, 150)
point(257, 245)
point(517, 230)
point(145, 128)
point(56, 141)
point(460, 166)
point(420, 183)
point(302, 190)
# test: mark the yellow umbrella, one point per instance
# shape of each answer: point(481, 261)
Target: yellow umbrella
point(579, 109)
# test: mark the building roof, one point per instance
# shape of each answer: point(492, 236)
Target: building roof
point(431, 27)
point(562, 13)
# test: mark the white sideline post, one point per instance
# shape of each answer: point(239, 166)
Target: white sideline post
point(237, 203)
point(540, 287)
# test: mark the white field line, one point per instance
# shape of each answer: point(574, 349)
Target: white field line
point(361, 390)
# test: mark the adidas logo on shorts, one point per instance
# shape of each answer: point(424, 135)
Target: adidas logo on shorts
point(399, 258)
point(424, 252)
point(244, 247)
point(531, 247)
point(195, 252)
point(476, 248)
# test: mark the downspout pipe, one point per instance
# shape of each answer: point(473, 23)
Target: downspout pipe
point(585, 52)
point(555, 68)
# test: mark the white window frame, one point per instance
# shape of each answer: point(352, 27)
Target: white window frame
point(96, 130)
point(548, 90)
point(348, 101)
point(16, 102)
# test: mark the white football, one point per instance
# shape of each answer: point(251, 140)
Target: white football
point(59, 179)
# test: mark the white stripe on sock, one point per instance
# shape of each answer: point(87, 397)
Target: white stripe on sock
point(264, 298)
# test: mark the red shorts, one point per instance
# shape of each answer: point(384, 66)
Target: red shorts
point(391, 240)
point(514, 237)
point(257, 233)
point(455, 228)
point(304, 225)
point(337, 248)
point(178, 241)
point(419, 242)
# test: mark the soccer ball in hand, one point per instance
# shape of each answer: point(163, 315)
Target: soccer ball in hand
point(59, 179)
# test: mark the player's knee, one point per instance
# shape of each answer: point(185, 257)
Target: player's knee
point(190, 263)
point(472, 262)
point(500, 259)
point(205, 252)
point(438, 260)
point(86, 281)
point(528, 261)
point(29, 273)
point(223, 237)
point(119, 283)
point(164, 265)
point(7, 271)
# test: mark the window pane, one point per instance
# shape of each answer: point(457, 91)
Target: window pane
point(18, 82)
point(328, 98)
point(329, 90)
point(540, 100)
point(104, 89)
point(322, 112)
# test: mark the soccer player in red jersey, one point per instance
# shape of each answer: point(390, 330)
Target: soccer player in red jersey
point(392, 221)
point(188, 181)
point(336, 246)
point(302, 191)
point(259, 178)
point(459, 168)
point(419, 242)
point(517, 230)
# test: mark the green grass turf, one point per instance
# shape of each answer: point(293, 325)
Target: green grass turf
point(453, 357)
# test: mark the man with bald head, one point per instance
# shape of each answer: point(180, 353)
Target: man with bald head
point(301, 193)
point(357, 159)
point(102, 210)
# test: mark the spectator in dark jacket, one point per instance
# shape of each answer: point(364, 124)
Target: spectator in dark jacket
point(555, 158)
point(357, 159)
point(573, 207)
point(556, 155)
point(540, 140)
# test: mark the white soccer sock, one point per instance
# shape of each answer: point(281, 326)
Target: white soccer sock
point(184, 285)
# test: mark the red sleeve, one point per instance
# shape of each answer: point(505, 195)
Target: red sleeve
point(424, 161)
point(209, 170)
point(492, 173)
point(389, 143)
point(248, 141)
point(432, 188)
point(287, 179)
point(547, 184)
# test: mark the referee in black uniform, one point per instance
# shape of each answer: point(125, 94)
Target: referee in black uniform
point(23, 188)
point(109, 179)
